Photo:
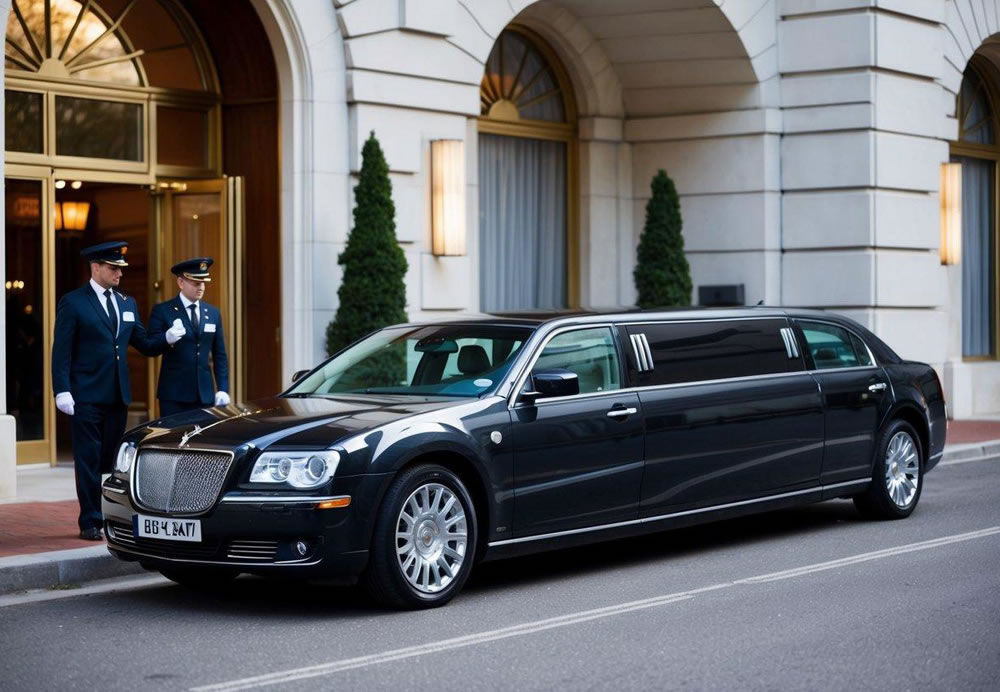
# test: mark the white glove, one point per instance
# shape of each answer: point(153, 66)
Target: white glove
point(221, 399)
point(65, 403)
point(175, 333)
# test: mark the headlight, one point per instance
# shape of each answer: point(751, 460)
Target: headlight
point(297, 469)
point(126, 455)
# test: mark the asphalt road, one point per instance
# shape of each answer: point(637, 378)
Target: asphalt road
point(813, 598)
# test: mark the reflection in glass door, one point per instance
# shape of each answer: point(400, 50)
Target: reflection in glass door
point(28, 315)
point(204, 218)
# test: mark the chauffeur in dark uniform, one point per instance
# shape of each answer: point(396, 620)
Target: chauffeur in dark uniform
point(95, 324)
point(186, 380)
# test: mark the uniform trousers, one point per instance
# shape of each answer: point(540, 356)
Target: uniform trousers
point(169, 408)
point(97, 429)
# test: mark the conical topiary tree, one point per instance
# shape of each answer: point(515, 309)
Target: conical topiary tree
point(662, 275)
point(372, 293)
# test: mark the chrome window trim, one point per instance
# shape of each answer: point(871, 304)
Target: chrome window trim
point(640, 356)
point(875, 363)
point(647, 353)
point(791, 347)
point(532, 358)
point(672, 515)
point(673, 385)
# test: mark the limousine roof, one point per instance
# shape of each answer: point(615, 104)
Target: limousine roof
point(535, 319)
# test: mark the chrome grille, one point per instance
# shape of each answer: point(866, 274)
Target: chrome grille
point(181, 481)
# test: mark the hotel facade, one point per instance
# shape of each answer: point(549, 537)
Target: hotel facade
point(839, 154)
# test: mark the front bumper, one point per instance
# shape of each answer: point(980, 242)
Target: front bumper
point(257, 533)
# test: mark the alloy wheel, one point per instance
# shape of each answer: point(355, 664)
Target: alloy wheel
point(902, 469)
point(431, 538)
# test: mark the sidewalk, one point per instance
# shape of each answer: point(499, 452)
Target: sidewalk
point(40, 547)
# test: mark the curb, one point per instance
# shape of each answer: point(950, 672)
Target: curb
point(61, 568)
point(972, 450)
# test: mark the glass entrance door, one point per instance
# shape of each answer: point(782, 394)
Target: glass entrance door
point(204, 218)
point(29, 310)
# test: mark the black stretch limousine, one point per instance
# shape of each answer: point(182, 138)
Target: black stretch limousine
point(424, 448)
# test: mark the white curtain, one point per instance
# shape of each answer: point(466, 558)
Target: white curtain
point(522, 223)
point(978, 267)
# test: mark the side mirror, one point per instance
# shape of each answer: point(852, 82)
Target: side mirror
point(551, 382)
point(299, 375)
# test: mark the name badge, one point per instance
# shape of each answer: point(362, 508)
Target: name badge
point(128, 316)
point(210, 326)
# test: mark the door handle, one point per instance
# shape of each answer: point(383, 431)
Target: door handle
point(621, 412)
point(877, 387)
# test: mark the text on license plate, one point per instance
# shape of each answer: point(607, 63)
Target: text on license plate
point(166, 528)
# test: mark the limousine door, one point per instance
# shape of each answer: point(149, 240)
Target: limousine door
point(731, 414)
point(578, 459)
point(856, 397)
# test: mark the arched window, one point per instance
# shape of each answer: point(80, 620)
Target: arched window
point(978, 153)
point(86, 87)
point(527, 159)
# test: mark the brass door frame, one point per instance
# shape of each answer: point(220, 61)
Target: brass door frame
point(162, 284)
point(40, 451)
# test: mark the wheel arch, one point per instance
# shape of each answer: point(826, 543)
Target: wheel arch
point(467, 471)
point(911, 414)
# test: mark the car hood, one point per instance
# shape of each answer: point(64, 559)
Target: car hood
point(315, 422)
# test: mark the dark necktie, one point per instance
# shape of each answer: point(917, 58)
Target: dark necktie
point(194, 315)
point(111, 311)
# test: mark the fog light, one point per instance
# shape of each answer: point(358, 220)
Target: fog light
point(302, 548)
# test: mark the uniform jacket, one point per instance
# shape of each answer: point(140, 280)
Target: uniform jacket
point(87, 360)
point(186, 372)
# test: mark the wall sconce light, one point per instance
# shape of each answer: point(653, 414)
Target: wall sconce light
point(448, 197)
point(951, 213)
point(72, 216)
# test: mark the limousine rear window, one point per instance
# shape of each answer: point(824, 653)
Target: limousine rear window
point(433, 360)
point(831, 346)
point(709, 350)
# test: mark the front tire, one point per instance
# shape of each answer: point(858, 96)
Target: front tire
point(424, 541)
point(897, 474)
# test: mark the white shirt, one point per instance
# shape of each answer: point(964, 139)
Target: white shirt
point(187, 307)
point(104, 302)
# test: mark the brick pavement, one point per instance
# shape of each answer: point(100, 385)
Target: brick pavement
point(966, 431)
point(37, 527)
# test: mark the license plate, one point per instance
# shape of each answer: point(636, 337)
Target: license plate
point(167, 529)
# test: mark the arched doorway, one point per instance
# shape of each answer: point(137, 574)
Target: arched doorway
point(528, 254)
point(978, 151)
point(133, 121)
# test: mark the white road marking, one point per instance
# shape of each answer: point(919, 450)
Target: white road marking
point(571, 618)
point(969, 460)
point(103, 586)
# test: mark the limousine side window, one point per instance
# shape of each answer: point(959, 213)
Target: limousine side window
point(590, 353)
point(711, 350)
point(833, 347)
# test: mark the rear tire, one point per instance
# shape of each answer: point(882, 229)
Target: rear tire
point(200, 578)
point(897, 474)
point(424, 541)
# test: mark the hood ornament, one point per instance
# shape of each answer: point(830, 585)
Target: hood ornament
point(188, 435)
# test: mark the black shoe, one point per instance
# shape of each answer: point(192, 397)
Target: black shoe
point(91, 534)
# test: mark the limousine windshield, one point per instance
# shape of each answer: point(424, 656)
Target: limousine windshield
point(439, 360)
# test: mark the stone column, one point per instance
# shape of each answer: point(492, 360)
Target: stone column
point(864, 134)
